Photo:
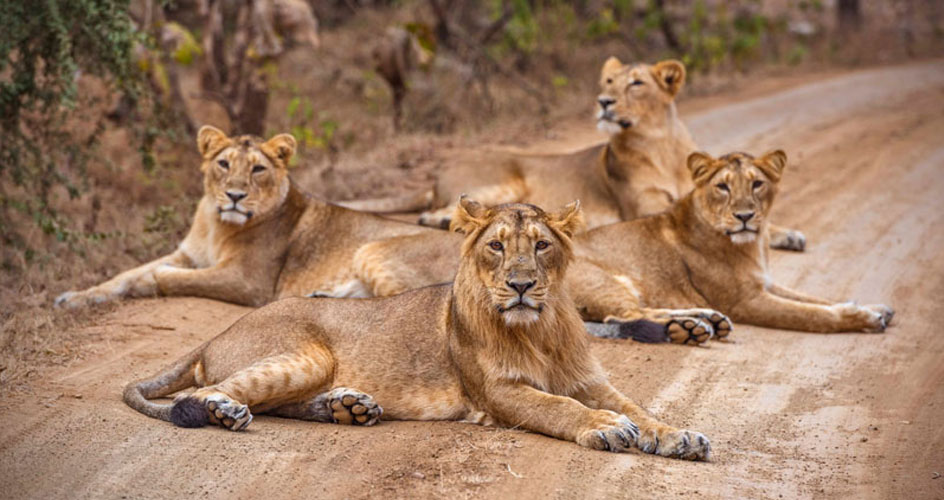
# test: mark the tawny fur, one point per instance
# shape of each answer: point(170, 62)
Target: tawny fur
point(679, 269)
point(503, 345)
point(640, 171)
point(700, 254)
point(276, 242)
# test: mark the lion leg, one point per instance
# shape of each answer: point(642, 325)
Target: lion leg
point(786, 239)
point(340, 406)
point(787, 293)
point(654, 436)
point(227, 283)
point(269, 383)
point(520, 405)
point(136, 282)
point(770, 310)
point(602, 296)
point(511, 191)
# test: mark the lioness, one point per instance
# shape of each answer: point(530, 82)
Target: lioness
point(255, 236)
point(502, 345)
point(640, 171)
point(707, 251)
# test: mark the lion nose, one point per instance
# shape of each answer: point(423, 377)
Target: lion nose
point(744, 216)
point(235, 195)
point(605, 102)
point(521, 286)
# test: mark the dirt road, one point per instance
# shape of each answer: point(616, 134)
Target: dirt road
point(789, 414)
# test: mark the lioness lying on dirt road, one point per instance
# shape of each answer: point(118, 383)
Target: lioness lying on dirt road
point(255, 235)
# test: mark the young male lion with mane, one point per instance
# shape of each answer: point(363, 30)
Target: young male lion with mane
point(640, 171)
point(503, 345)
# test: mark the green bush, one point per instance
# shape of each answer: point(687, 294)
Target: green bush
point(44, 48)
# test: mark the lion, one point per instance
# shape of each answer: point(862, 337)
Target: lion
point(640, 171)
point(502, 345)
point(680, 276)
point(255, 235)
point(708, 251)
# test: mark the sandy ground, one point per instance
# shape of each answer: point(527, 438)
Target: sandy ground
point(789, 414)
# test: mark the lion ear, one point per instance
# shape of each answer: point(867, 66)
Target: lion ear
point(773, 163)
point(281, 147)
point(568, 220)
point(469, 216)
point(611, 65)
point(210, 141)
point(699, 164)
point(670, 74)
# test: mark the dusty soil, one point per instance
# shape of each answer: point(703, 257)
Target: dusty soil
point(789, 414)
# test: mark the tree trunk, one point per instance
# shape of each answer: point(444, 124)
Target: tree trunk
point(849, 16)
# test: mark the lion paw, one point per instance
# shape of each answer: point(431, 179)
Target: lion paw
point(688, 330)
point(73, 299)
point(683, 444)
point(352, 407)
point(610, 432)
point(720, 323)
point(788, 240)
point(228, 413)
point(878, 317)
point(872, 318)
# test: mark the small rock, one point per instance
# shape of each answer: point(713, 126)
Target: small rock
point(864, 439)
point(418, 475)
point(935, 475)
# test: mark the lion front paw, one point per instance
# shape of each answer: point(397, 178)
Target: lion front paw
point(610, 431)
point(788, 240)
point(73, 299)
point(689, 330)
point(351, 407)
point(872, 318)
point(877, 317)
point(678, 443)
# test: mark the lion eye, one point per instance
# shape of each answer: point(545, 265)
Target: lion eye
point(541, 245)
point(758, 184)
point(722, 186)
point(224, 164)
point(497, 246)
point(257, 168)
point(636, 82)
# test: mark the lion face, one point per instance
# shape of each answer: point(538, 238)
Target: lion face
point(519, 254)
point(246, 178)
point(734, 192)
point(638, 95)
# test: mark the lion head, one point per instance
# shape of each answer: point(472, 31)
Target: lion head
point(245, 177)
point(637, 96)
point(734, 192)
point(517, 253)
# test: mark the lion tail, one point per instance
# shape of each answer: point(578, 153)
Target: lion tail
point(178, 376)
point(412, 202)
point(640, 330)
